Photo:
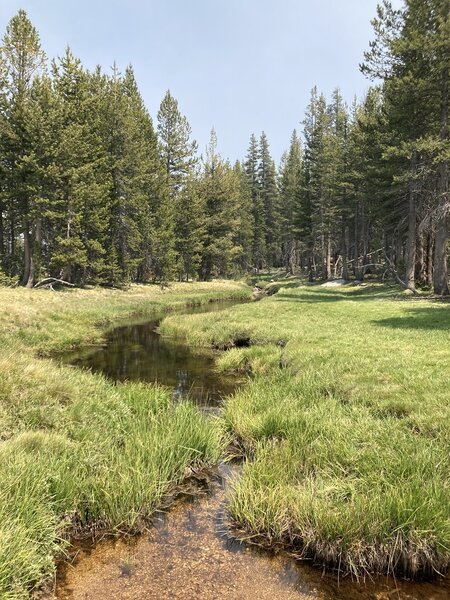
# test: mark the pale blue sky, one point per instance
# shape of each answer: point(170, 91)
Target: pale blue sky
point(241, 66)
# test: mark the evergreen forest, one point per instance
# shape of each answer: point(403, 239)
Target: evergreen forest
point(225, 379)
point(93, 191)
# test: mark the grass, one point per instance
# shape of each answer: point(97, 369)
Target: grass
point(345, 423)
point(78, 453)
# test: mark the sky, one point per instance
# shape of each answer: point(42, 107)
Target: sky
point(240, 66)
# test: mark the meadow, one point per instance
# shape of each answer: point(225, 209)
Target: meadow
point(79, 454)
point(344, 423)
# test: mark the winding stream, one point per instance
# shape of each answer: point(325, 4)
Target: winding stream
point(136, 351)
point(188, 553)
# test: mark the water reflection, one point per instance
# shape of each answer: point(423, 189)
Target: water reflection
point(188, 554)
point(137, 352)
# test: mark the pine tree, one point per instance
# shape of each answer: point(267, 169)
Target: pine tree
point(81, 177)
point(155, 220)
point(411, 53)
point(42, 160)
point(24, 60)
point(316, 131)
point(338, 186)
point(221, 189)
point(268, 191)
point(3, 168)
point(191, 228)
point(178, 156)
point(243, 238)
point(176, 149)
point(291, 180)
point(257, 210)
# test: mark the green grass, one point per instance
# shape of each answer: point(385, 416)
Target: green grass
point(348, 442)
point(77, 452)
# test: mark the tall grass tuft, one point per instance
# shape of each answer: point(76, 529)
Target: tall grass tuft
point(79, 454)
point(346, 425)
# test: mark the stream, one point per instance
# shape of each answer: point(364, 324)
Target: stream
point(136, 351)
point(188, 553)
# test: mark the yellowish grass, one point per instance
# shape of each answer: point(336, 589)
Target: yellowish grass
point(78, 452)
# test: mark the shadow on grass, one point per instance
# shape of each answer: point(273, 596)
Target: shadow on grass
point(432, 318)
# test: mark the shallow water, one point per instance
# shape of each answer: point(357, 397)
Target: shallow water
point(188, 552)
point(137, 352)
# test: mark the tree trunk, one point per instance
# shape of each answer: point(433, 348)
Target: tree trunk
point(345, 252)
point(296, 257)
point(440, 275)
point(26, 254)
point(364, 241)
point(324, 256)
point(292, 257)
point(398, 252)
point(311, 268)
point(420, 267)
point(38, 252)
point(12, 226)
point(429, 266)
point(31, 276)
point(411, 239)
point(440, 271)
point(327, 256)
point(2, 233)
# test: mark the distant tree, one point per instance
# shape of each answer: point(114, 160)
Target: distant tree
point(178, 152)
point(291, 181)
point(191, 226)
point(257, 205)
point(23, 59)
point(245, 232)
point(221, 190)
point(4, 241)
point(267, 183)
point(316, 130)
point(411, 53)
point(141, 238)
point(81, 179)
point(179, 160)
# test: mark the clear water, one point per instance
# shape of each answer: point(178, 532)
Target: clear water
point(137, 352)
point(188, 553)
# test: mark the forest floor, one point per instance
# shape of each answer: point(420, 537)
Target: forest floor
point(78, 451)
point(345, 423)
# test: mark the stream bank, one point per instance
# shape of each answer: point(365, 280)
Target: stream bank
point(189, 553)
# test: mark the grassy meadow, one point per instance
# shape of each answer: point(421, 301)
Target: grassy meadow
point(79, 453)
point(345, 424)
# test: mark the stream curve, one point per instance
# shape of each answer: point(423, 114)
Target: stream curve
point(189, 553)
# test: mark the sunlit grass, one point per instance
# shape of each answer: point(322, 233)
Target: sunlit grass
point(346, 424)
point(77, 452)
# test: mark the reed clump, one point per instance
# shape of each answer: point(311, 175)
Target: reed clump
point(345, 423)
point(80, 455)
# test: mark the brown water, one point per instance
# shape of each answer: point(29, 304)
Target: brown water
point(188, 553)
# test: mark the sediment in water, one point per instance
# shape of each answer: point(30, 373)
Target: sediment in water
point(297, 548)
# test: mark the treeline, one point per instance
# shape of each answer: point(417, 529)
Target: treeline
point(370, 193)
point(92, 192)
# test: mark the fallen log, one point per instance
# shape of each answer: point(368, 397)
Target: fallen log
point(48, 282)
